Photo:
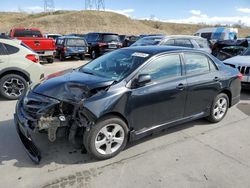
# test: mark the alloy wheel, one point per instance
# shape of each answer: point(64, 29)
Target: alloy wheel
point(109, 139)
point(220, 108)
point(13, 87)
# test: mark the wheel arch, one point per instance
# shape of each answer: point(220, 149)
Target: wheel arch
point(116, 114)
point(16, 71)
point(229, 94)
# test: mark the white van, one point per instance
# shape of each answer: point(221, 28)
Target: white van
point(218, 33)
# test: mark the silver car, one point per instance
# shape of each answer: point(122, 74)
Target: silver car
point(242, 63)
point(175, 40)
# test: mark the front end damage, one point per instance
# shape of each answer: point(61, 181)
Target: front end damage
point(55, 117)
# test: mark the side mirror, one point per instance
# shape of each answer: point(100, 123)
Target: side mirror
point(142, 80)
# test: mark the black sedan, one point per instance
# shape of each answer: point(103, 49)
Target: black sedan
point(126, 95)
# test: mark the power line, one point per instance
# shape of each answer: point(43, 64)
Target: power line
point(95, 5)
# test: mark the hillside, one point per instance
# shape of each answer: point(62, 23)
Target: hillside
point(86, 21)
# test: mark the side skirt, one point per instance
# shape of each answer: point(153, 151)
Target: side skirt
point(136, 135)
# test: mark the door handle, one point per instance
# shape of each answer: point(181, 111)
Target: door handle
point(216, 79)
point(180, 86)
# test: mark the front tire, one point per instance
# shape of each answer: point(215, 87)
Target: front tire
point(106, 138)
point(94, 54)
point(13, 86)
point(219, 108)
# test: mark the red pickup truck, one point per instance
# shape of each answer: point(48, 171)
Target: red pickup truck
point(33, 38)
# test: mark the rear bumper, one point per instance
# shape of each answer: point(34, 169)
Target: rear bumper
point(235, 100)
point(24, 131)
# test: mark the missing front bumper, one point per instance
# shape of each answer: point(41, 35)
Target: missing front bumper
point(31, 149)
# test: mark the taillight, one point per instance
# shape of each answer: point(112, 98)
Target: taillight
point(32, 58)
point(240, 76)
point(100, 44)
point(65, 49)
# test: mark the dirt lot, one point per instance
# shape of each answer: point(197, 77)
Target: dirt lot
point(196, 154)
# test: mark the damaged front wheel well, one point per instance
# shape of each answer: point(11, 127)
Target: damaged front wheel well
point(117, 114)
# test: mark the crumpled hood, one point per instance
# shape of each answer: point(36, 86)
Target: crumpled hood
point(71, 85)
point(239, 60)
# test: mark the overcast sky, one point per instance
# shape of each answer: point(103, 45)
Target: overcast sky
point(183, 11)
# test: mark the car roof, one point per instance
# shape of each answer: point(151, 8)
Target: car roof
point(70, 37)
point(103, 33)
point(185, 36)
point(159, 49)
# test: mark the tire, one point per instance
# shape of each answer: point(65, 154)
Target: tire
point(61, 57)
point(94, 54)
point(13, 86)
point(103, 149)
point(50, 60)
point(219, 108)
point(82, 57)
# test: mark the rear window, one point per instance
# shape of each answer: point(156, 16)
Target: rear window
point(111, 38)
point(202, 43)
point(11, 49)
point(206, 35)
point(147, 41)
point(27, 33)
point(75, 42)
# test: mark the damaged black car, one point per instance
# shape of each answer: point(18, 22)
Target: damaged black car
point(126, 95)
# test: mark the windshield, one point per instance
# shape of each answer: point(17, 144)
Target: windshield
point(147, 41)
point(110, 38)
point(76, 42)
point(116, 65)
point(27, 33)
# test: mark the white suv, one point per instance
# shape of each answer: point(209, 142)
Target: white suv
point(19, 67)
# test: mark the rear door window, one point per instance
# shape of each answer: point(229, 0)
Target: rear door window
point(169, 42)
point(92, 37)
point(196, 63)
point(184, 43)
point(202, 43)
point(168, 66)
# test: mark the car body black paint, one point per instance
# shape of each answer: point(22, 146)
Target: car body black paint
point(148, 108)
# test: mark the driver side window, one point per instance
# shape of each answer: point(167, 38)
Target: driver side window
point(167, 66)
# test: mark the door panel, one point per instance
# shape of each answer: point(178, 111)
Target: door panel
point(163, 99)
point(203, 83)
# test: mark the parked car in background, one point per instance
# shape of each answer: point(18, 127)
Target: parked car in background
point(125, 95)
point(70, 46)
point(19, 67)
point(44, 47)
point(176, 40)
point(128, 40)
point(53, 36)
point(229, 48)
point(101, 43)
point(218, 33)
point(150, 35)
point(148, 41)
point(242, 63)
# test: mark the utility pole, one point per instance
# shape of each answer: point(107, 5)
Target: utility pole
point(49, 6)
point(95, 5)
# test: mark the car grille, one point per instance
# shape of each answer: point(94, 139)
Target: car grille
point(245, 70)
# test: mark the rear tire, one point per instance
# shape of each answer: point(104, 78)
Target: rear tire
point(61, 57)
point(50, 60)
point(13, 86)
point(106, 138)
point(94, 54)
point(82, 57)
point(219, 108)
